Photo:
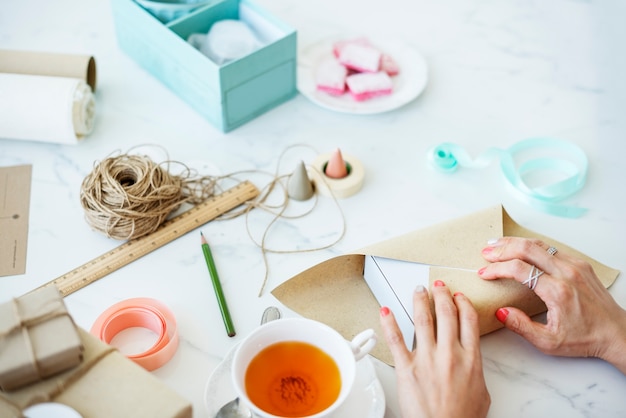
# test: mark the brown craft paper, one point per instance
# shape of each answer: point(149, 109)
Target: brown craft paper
point(38, 338)
point(49, 64)
point(14, 214)
point(334, 292)
point(106, 384)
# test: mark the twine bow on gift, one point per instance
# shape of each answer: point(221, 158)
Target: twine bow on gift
point(22, 323)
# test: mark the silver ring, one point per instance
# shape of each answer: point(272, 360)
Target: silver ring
point(533, 277)
point(552, 250)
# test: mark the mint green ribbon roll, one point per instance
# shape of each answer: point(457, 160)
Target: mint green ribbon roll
point(521, 161)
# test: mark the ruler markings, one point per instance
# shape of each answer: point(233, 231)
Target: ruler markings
point(168, 231)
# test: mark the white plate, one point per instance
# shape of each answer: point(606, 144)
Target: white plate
point(367, 399)
point(50, 410)
point(407, 85)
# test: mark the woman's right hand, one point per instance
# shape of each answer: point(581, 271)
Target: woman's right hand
point(583, 319)
point(443, 376)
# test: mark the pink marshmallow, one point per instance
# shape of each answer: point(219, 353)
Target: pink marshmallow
point(330, 77)
point(339, 45)
point(362, 58)
point(389, 65)
point(363, 86)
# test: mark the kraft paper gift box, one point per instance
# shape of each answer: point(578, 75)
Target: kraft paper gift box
point(106, 384)
point(335, 292)
point(226, 95)
point(38, 338)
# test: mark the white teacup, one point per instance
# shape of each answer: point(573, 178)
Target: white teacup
point(297, 367)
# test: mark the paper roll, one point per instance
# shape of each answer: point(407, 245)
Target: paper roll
point(51, 64)
point(42, 108)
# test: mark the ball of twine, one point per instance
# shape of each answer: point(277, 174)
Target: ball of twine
point(129, 196)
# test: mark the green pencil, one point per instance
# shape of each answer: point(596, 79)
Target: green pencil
point(217, 286)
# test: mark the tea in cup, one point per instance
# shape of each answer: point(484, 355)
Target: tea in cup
point(297, 367)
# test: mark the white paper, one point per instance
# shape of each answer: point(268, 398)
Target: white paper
point(393, 283)
point(41, 108)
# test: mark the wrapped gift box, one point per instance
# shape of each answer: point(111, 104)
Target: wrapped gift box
point(38, 338)
point(106, 384)
point(227, 95)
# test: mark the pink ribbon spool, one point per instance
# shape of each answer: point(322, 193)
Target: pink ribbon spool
point(144, 313)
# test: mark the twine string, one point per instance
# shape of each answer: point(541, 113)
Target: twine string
point(127, 196)
point(23, 324)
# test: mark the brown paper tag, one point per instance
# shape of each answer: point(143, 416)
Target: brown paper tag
point(14, 210)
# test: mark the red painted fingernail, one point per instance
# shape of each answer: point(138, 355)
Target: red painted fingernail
point(487, 250)
point(439, 283)
point(384, 311)
point(482, 270)
point(458, 294)
point(501, 314)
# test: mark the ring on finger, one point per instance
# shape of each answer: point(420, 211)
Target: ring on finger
point(533, 277)
point(552, 250)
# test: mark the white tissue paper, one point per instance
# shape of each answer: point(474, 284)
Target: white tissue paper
point(43, 108)
point(226, 41)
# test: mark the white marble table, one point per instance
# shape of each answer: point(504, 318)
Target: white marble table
point(499, 72)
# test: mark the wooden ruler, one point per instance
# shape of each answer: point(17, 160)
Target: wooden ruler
point(168, 231)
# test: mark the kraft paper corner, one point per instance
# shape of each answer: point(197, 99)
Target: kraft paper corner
point(334, 292)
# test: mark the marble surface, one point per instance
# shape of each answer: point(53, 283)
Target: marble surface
point(499, 72)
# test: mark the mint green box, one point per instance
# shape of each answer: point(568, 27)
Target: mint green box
point(228, 95)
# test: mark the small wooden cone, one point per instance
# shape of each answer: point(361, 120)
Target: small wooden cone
point(299, 186)
point(336, 166)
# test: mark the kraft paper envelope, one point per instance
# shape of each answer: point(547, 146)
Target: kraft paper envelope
point(334, 292)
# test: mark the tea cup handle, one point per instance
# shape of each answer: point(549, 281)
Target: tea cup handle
point(363, 343)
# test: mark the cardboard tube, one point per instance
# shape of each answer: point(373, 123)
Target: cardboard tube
point(41, 108)
point(82, 67)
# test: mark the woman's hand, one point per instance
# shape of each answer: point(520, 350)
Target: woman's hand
point(583, 320)
point(443, 376)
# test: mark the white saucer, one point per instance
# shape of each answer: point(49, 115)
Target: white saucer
point(407, 85)
point(367, 399)
point(50, 410)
